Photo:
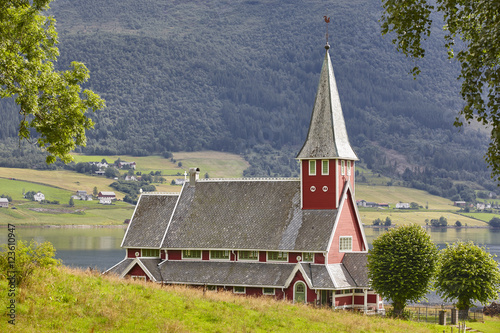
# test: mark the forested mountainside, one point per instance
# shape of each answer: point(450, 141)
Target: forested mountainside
point(241, 76)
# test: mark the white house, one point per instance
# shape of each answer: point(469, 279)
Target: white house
point(39, 197)
point(402, 205)
point(4, 202)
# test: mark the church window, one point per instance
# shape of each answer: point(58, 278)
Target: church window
point(268, 291)
point(220, 255)
point(324, 168)
point(312, 167)
point(138, 278)
point(191, 254)
point(345, 243)
point(342, 167)
point(239, 290)
point(307, 256)
point(348, 168)
point(248, 255)
point(277, 256)
point(150, 253)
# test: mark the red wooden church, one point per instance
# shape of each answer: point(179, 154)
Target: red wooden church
point(296, 239)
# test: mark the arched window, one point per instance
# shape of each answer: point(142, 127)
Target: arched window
point(299, 292)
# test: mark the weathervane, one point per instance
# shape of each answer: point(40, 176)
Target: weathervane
point(327, 20)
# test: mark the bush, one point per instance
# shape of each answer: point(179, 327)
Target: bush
point(494, 222)
point(28, 257)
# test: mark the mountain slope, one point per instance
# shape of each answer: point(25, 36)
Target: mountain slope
point(241, 76)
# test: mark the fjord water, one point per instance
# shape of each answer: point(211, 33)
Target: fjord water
point(100, 247)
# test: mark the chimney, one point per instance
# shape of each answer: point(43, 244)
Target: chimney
point(194, 175)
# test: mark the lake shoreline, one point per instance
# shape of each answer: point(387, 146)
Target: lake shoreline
point(430, 227)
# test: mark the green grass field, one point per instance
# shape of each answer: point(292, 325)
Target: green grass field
point(395, 194)
point(69, 300)
point(417, 217)
point(216, 164)
point(486, 217)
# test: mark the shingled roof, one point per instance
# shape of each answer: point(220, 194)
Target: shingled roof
point(327, 136)
point(119, 267)
point(247, 214)
point(150, 220)
point(355, 263)
point(231, 273)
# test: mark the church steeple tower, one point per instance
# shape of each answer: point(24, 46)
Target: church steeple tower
point(326, 158)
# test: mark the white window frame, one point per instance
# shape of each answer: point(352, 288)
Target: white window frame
point(269, 294)
point(277, 260)
point(143, 255)
point(313, 163)
point(188, 258)
point(325, 171)
point(138, 277)
point(221, 259)
point(348, 168)
point(246, 259)
point(342, 245)
point(304, 256)
point(239, 292)
point(342, 167)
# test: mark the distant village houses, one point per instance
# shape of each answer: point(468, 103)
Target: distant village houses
point(82, 195)
point(106, 198)
point(179, 181)
point(126, 165)
point(402, 205)
point(131, 177)
point(100, 165)
point(369, 204)
point(4, 203)
point(39, 196)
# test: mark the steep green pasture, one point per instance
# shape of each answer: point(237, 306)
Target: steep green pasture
point(395, 194)
point(486, 217)
point(216, 164)
point(67, 300)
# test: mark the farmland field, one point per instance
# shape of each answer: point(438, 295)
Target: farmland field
point(417, 217)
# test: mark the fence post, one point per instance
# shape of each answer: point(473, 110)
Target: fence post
point(442, 317)
point(454, 316)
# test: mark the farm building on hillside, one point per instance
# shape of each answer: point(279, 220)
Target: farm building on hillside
point(4, 203)
point(106, 198)
point(39, 196)
point(296, 239)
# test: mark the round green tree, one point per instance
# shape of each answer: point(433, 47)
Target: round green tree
point(467, 273)
point(402, 264)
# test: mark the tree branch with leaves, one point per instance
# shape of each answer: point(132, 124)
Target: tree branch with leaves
point(51, 102)
point(477, 24)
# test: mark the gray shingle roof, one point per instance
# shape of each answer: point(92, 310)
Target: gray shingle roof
point(327, 136)
point(226, 273)
point(118, 268)
point(355, 263)
point(341, 277)
point(258, 215)
point(152, 266)
point(150, 220)
point(318, 275)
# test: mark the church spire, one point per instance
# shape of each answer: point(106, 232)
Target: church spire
point(327, 137)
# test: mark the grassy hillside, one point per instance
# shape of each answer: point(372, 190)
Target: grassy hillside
point(68, 300)
point(395, 194)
